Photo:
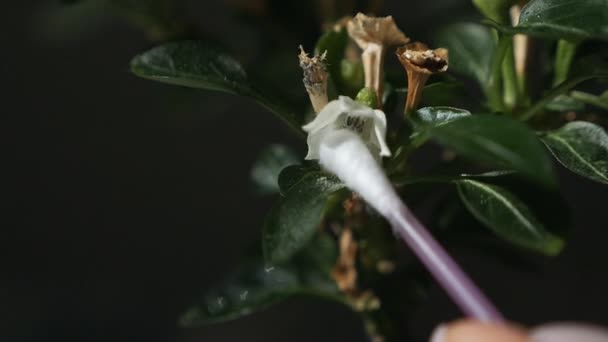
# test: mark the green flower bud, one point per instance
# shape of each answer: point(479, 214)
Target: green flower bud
point(368, 97)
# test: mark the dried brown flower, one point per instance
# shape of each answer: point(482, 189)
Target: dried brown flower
point(374, 35)
point(420, 63)
point(344, 271)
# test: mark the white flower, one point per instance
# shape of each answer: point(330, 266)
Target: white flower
point(346, 114)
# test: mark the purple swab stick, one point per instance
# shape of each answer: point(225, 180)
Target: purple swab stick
point(344, 153)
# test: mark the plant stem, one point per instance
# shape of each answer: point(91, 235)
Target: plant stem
point(494, 86)
point(511, 96)
point(553, 93)
point(521, 50)
point(563, 59)
point(591, 99)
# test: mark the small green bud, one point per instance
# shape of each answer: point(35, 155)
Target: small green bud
point(368, 97)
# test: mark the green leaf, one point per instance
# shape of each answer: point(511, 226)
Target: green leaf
point(405, 179)
point(295, 219)
point(470, 47)
point(291, 175)
point(582, 147)
point(507, 216)
point(255, 286)
point(562, 19)
point(437, 116)
point(565, 103)
point(426, 118)
point(499, 141)
point(566, 18)
point(265, 171)
point(196, 64)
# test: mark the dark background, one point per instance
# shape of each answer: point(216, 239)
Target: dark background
point(124, 198)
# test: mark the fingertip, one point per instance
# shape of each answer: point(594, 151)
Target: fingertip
point(569, 331)
point(475, 331)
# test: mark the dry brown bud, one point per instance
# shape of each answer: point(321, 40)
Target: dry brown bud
point(344, 271)
point(315, 78)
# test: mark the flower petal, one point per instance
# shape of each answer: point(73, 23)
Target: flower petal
point(330, 120)
point(329, 114)
point(314, 141)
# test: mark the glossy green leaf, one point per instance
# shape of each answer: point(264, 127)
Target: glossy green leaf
point(499, 141)
point(582, 147)
point(401, 180)
point(291, 175)
point(255, 286)
point(437, 116)
point(426, 118)
point(507, 216)
point(265, 171)
point(562, 19)
point(470, 49)
point(295, 219)
point(566, 18)
point(197, 64)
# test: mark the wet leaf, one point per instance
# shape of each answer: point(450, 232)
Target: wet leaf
point(294, 220)
point(424, 119)
point(499, 141)
point(200, 65)
point(255, 285)
point(291, 175)
point(582, 147)
point(507, 216)
point(563, 19)
point(437, 116)
point(401, 180)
